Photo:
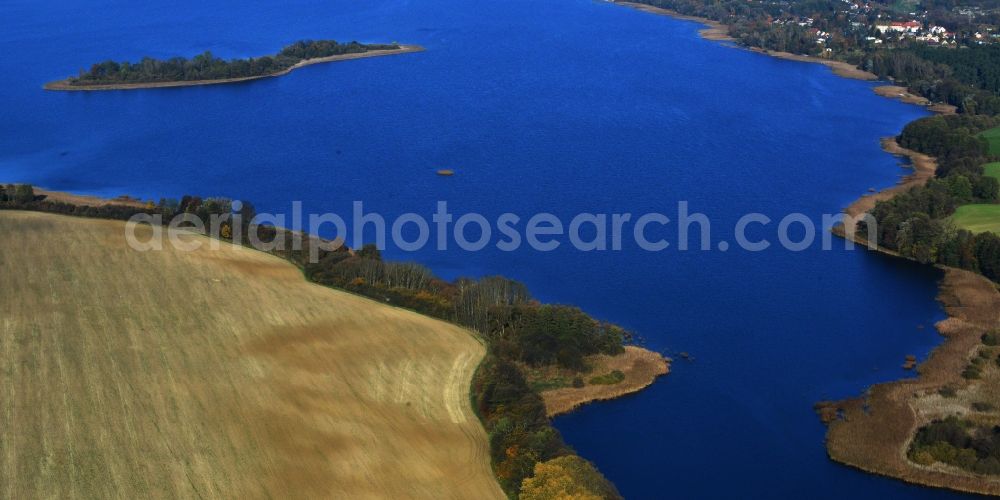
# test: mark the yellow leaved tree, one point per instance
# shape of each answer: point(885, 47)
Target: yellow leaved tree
point(567, 478)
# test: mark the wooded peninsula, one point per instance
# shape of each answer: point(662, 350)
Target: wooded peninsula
point(206, 69)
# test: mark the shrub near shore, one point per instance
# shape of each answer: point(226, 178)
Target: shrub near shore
point(971, 441)
point(960, 443)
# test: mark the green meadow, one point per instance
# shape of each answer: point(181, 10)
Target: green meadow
point(978, 218)
point(993, 136)
point(992, 169)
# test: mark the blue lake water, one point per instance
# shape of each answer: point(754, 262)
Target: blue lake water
point(564, 106)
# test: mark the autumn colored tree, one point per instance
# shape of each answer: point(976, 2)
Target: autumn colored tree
point(567, 477)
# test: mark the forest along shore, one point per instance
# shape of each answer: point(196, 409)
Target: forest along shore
point(719, 32)
point(65, 85)
point(874, 433)
point(923, 166)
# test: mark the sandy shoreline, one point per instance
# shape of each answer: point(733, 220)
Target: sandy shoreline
point(65, 86)
point(840, 68)
point(640, 366)
point(923, 170)
point(720, 32)
point(923, 166)
point(903, 94)
point(714, 30)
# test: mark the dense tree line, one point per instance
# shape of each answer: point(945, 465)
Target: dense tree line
point(553, 334)
point(516, 328)
point(520, 435)
point(978, 65)
point(208, 67)
point(914, 223)
point(948, 138)
point(968, 78)
point(500, 309)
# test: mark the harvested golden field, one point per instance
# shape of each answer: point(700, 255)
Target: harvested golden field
point(219, 374)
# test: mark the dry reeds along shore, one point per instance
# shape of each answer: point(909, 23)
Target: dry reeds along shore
point(873, 433)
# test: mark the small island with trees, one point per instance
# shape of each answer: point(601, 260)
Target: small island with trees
point(206, 69)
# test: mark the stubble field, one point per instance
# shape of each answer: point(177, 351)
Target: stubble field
point(216, 374)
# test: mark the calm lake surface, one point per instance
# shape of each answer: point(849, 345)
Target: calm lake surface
point(562, 106)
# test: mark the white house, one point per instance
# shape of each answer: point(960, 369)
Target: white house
point(899, 27)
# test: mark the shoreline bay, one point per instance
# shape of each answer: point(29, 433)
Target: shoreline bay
point(873, 432)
